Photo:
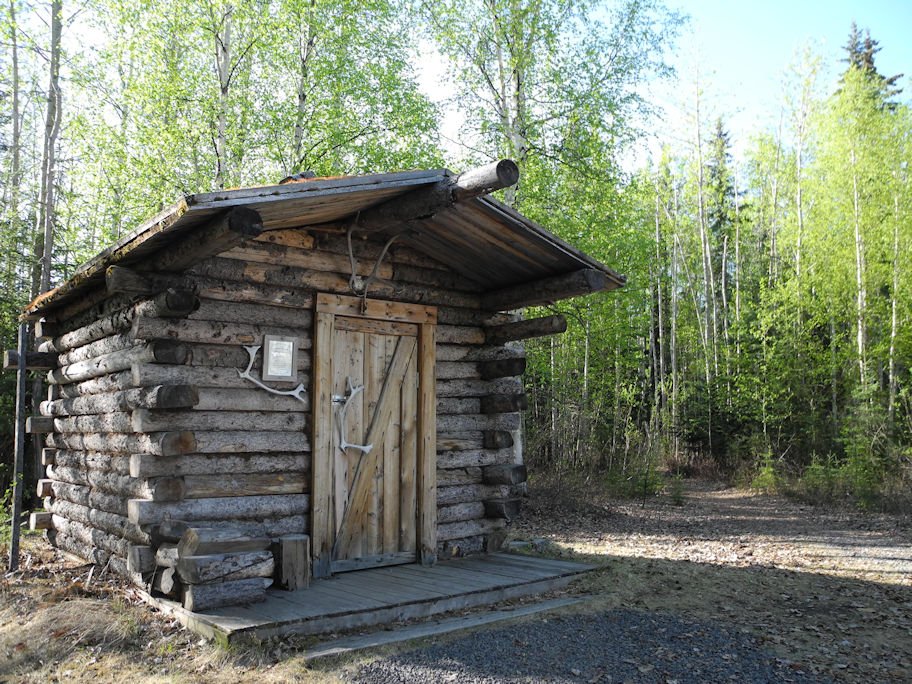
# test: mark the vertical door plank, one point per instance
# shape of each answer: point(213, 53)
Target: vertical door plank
point(348, 362)
point(408, 434)
point(427, 446)
point(321, 525)
point(364, 480)
point(389, 476)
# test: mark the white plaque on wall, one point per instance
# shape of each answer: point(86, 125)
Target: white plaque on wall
point(280, 357)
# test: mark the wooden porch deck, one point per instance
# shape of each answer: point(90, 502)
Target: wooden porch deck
point(381, 595)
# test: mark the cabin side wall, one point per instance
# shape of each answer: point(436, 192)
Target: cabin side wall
point(151, 420)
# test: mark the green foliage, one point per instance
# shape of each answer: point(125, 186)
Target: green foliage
point(767, 479)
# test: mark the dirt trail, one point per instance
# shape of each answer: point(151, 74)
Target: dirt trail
point(829, 591)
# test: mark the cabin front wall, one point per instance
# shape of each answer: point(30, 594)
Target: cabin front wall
point(155, 419)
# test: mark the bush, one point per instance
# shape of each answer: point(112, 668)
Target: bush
point(767, 479)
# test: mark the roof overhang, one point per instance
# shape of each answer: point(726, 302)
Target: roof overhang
point(494, 246)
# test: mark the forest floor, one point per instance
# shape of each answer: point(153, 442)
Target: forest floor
point(827, 592)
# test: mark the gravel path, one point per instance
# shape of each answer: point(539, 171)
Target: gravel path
point(617, 646)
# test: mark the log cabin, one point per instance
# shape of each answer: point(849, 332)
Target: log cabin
point(292, 381)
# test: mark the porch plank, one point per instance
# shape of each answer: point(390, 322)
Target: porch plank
point(381, 595)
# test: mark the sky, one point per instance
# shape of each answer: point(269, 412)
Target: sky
point(745, 48)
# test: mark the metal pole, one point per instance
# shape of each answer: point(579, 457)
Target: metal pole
point(19, 454)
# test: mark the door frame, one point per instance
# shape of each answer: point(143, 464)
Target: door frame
point(328, 307)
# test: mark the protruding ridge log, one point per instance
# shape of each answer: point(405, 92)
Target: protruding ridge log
point(33, 360)
point(48, 457)
point(504, 474)
point(177, 443)
point(428, 200)
point(168, 531)
point(227, 231)
point(45, 488)
point(524, 330)
point(497, 439)
point(485, 179)
point(504, 403)
point(506, 509)
point(547, 290)
point(501, 368)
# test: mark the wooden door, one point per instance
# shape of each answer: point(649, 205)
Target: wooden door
point(374, 438)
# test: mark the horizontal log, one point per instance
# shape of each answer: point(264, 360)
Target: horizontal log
point(246, 484)
point(451, 370)
point(116, 525)
point(474, 457)
point(204, 541)
point(48, 457)
point(507, 474)
point(289, 237)
point(547, 290)
point(39, 425)
point(475, 492)
point(127, 281)
point(211, 332)
point(115, 382)
point(146, 465)
point(89, 497)
point(269, 527)
point(460, 334)
point(497, 439)
point(219, 399)
point(293, 297)
point(458, 352)
point(449, 406)
point(478, 388)
point(154, 421)
point(143, 512)
point(202, 376)
point(249, 442)
point(485, 179)
point(504, 403)
point(78, 547)
point(464, 423)
point(458, 441)
point(199, 597)
point(156, 489)
point(470, 510)
point(527, 329)
point(230, 229)
point(259, 314)
point(140, 559)
point(334, 283)
point(91, 461)
point(468, 528)
point(157, 444)
point(159, 351)
point(41, 520)
point(159, 397)
point(106, 345)
point(225, 568)
point(45, 488)
point(34, 360)
point(168, 531)
point(507, 509)
point(314, 260)
point(118, 422)
point(458, 476)
point(502, 368)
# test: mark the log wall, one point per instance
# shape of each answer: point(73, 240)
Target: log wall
point(152, 421)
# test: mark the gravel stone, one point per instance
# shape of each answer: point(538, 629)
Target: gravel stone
point(613, 647)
